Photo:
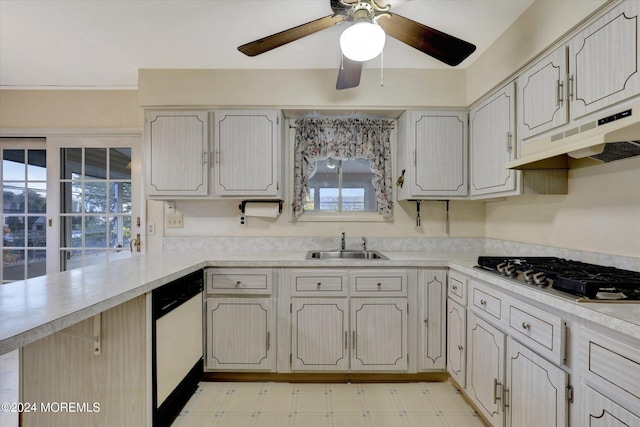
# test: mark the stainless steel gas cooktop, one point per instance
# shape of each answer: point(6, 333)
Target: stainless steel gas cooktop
point(589, 281)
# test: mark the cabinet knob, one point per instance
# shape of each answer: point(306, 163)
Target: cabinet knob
point(319, 284)
point(238, 283)
point(454, 287)
point(483, 302)
point(526, 326)
point(379, 285)
point(460, 347)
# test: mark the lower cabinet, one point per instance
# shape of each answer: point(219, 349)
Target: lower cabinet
point(456, 342)
point(535, 392)
point(335, 334)
point(432, 296)
point(320, 334)
point(602, 412)
point(610, 372)
point(239, 334)
point(486, 353)
point(508, 379)
point(379, 334)
point(350, 320)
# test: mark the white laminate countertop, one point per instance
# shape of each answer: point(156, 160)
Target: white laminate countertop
point(38, 307)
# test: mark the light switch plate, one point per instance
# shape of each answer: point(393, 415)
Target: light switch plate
point(174, 220)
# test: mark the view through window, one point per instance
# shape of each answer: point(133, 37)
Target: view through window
point(24, 208)
point(95, 206)
point(341, 186)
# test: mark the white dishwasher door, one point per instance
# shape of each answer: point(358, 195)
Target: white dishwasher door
point(178, 345)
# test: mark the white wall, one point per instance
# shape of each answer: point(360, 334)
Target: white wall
point(600, 214)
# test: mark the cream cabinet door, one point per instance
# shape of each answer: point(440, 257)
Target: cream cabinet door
point(379, 334)
point(605, 60)
point(434, 154)
point(534, 383)
point(485, 365)
point(456, 342)
point(432, 340)
point(176, 153)
point(239, 334)
point(492, 130)
point(248, 150)
point(602, 412)
point(319, 340)
point(542, 103)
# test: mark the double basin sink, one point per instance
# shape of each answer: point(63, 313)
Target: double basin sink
point(345, 254)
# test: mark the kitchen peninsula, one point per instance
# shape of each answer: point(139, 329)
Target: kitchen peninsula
point(39, 314)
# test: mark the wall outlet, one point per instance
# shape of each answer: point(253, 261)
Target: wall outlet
point(174, 220)
point(243, 221)
point(151, 229)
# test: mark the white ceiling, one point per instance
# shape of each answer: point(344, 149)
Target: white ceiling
point(102, 43)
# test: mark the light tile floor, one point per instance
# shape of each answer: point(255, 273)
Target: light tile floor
point(424, 404)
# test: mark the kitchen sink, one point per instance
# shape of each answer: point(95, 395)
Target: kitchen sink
point(346, 254)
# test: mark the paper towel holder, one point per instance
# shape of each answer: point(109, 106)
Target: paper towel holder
point(243, 204)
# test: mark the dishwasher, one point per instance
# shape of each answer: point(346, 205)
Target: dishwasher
point(177, 345)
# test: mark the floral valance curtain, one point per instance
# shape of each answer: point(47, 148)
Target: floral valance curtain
point(343, 139)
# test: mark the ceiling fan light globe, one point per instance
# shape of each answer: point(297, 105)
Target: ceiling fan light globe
point(362, 41)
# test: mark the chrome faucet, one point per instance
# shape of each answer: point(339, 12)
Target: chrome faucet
point(364, 243)
point(343, 243)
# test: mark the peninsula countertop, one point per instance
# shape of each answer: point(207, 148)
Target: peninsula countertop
point(38, 307)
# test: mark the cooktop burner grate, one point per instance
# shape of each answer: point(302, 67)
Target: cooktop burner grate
point(575, 277)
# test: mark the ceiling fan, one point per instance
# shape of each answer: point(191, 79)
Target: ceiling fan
point(374, 21)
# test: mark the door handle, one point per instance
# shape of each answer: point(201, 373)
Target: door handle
point(137, 242)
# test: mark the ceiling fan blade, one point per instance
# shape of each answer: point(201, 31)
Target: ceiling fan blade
point(349, 74)
point(287, 36)
point(442, 46)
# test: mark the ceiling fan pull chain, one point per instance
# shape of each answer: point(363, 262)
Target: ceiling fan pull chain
point(382, 68)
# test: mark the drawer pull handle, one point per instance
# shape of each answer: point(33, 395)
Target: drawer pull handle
point(460, 347)
point(483, 302)
point(379, 285)
point(238, 283)
point(319, 284)
point(346, 339)
point(526, 326)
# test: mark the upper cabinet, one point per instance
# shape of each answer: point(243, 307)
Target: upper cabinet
point(604, 61)
point(246, 159)
point(492, 129)
point(542, 103)
point(432, 154)
point(596, 69)
point(176, 153)
point(247, 153)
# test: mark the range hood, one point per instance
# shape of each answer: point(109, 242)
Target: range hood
point(614, 137)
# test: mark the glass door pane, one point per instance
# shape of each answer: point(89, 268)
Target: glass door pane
point(24, 208)
point(95, 205)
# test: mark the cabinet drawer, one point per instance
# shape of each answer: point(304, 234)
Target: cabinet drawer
point(612, 365)
point(487, 303)
point(380, 283)
point(538, 330)
point(457, 287)
point(246, 280)
point(318, 282)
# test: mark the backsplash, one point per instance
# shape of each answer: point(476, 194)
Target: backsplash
point(444, 244)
